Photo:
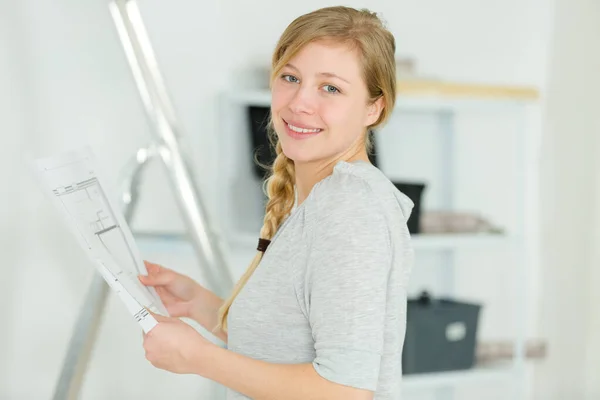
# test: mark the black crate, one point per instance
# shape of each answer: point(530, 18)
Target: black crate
point(440, 335)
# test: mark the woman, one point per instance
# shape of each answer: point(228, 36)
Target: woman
point(320, 313)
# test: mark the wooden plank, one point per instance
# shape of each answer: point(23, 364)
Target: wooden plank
point(461, 90)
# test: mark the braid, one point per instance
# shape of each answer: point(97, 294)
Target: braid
point(280, 190)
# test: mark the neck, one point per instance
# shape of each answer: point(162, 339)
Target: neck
point(309, 173)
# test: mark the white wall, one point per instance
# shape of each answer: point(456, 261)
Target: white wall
point(592, 388)
point(13, 123)
point(69, 85)
point(593, 333)
point(73, 87)
point(569, 316)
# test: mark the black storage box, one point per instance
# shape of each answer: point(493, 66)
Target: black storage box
point(413, 191)
point(440, 335)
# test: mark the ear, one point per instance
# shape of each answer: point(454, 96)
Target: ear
point(374, 111)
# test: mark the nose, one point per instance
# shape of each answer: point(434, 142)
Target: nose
point(303, 102)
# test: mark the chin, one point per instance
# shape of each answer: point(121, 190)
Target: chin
point(296, 154)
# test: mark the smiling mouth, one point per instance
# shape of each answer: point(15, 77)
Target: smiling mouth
point(301, 130)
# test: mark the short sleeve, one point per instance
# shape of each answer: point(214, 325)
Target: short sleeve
point(348, 271)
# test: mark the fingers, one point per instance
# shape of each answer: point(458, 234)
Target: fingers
point(157, 275)
point(154, 280)
point(152, 267)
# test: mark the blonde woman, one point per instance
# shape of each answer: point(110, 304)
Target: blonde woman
point(321, 311)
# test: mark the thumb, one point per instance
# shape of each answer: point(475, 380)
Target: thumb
point(158, 317)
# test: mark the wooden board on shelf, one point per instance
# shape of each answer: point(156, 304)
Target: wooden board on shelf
point(465, 90)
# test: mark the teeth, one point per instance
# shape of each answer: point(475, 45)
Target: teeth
point(300, 130)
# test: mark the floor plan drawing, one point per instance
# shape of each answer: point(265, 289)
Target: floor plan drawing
point(73, 182)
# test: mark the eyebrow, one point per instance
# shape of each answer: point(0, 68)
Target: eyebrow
point(327, 74)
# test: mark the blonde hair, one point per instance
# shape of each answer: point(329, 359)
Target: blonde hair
point(359, 29)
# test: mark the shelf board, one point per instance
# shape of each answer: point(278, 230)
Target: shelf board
point(458, 240)
point(461, 90)
point(477, 375)
point(419, 241)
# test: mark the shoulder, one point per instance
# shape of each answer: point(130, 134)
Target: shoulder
point(346, 223)
point(361, 188)
point(346, 201)
point(347, 189)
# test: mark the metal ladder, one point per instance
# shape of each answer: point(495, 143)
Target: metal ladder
point(165, 145)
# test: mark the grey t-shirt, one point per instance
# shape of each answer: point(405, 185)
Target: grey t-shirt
point(331, 288)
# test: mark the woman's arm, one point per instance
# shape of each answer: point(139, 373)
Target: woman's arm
point(261, 380)
point(175, 346)
point(206, 313)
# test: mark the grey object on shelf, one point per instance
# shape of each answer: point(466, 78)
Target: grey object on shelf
point(441, 335)
point(456, 222)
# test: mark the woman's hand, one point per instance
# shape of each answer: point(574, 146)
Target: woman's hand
point(184, 297)
point(179, 293)
point(175, 346)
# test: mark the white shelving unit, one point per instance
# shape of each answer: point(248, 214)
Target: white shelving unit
point(241, 209)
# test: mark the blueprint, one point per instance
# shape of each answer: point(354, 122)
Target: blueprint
point(73, 182)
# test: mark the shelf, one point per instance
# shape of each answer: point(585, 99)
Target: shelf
point(435, 99)
point(459, 240)
point(459, 90)
point(477, 375)
point(424, 242)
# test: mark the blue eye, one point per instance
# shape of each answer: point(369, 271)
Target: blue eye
point(289, 78)
point(331, 89)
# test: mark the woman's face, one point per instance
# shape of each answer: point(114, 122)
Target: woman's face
point(320, 105)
